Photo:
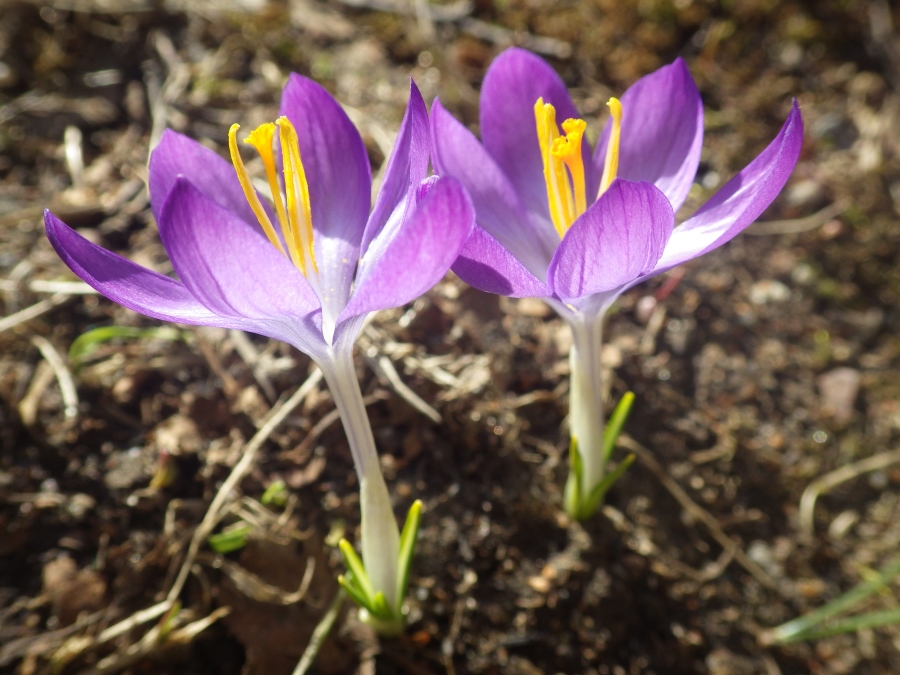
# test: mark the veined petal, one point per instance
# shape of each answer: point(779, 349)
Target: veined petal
point(662, 132)
point(740, 201)
point(407, 166)
point(215, 177)
point(122, 281)
point(231, 269)
point(615, 241)
point(340, 183)
point(457, 153)
point(418, 254)
point(486, 265)
point(512, 85)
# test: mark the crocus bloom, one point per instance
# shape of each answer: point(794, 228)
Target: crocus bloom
point(577, 227)
point(307, 271)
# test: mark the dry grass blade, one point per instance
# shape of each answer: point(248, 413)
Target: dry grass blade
point(320, 633)
point(254, 587)
point(63, 376)
point(32, 312)
point(384, 367)
point(830, 480)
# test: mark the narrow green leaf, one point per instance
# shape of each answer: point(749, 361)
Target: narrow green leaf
point(798, 629)
point(599, 491)
point(408, 539)
point(355, 565)
point(276, 494)
point(232, 539)
point(885, 617)
point(352, 590)
point(87, 342)
point(616, 422)
point(380, 608)
point(168, 621)
point(575, 465)
point(572, 494)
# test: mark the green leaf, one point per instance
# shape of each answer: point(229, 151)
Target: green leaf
point(86, 343)
point(408, 539)
point(276, 494)
point(356, 568)
point(232, 539)
point(349, 584)
point(616, 422)
point(850, 624)
point(168, 621)
point(810, 626)
point(572, 494)
point(380, 608)
point(595, 498)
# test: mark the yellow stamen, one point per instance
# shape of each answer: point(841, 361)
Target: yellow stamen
point(298, 207)
point(249, 191)
point(295, 218)
point(263, 139)
point(559, 193)
point(611, 163)
point(568, 149)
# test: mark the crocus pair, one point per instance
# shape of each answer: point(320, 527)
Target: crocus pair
point(576, 227)
point(554, 220)
point(305, 268)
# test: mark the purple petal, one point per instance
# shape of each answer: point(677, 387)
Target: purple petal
point(619, 238)
point(662, 132)
point(233, 270)
point(740, 201)
point(215, 177)
point(484, 264)
point(340, 182)
point(407, 166)
point(420, 251)
point(457, 153)
point(512, 85)
point(127, 283)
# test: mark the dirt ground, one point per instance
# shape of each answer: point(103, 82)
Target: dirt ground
point(757, 369)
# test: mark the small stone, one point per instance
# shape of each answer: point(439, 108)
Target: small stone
point(839, 389)
point(769, 291)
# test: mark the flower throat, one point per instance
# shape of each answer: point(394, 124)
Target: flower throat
point(563, 163)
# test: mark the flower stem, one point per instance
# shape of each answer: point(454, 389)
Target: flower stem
point(586, 401)
point(380, 536)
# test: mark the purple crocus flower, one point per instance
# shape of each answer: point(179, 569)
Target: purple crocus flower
point(307, 271)
point(577, 227)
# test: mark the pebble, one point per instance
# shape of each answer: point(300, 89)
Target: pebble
point(839, 389)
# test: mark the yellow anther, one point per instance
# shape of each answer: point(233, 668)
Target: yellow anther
point(568, 149)
point(559, 192)
point(298, 206)
point(249, 191)
point(611, 163)
point(263, 139)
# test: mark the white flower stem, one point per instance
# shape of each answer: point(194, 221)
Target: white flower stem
point(380, 536)
point(586, 397)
